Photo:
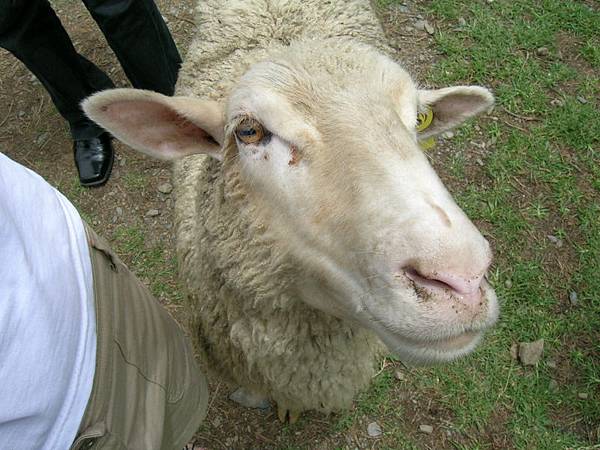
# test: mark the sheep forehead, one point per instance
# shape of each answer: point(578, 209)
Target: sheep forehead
point(314, 83)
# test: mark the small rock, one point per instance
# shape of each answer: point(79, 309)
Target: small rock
point(447, 134)
point(582, 100)
point(122, 162)
point(409, 29)
point(21, 114)
point(573, 298)
point(479, 161)
point(427, 429)
point(420, 25)
point(153, 213)
point(557, 102)
point(429, 28)
point(530, 353)
point(542, 51)
point(583, 395)
point(555, 240)
point(119, 211)
point(41, 138)
point(399, 375)
point(374, 430)
point(553, 385)
point(551, 364)
point(403, 9)
point(462, 22)
point(508, 283)
point(216, 422)
point(514, 351)
point(165, 188)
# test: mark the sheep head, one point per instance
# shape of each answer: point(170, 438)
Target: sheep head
point(323, 138)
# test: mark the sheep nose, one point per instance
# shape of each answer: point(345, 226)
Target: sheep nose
point(464, 288)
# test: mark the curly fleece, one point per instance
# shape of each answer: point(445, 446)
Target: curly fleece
point(248, 324)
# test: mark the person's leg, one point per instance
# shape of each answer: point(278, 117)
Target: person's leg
point(31, 31)
point(148, 391)
point(138, 35)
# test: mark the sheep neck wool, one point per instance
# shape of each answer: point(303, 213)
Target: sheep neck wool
point(251, 327)
point(47, 317)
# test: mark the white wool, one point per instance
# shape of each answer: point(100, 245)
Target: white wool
point(248, 325)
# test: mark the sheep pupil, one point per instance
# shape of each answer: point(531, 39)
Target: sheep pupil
point(248, 132)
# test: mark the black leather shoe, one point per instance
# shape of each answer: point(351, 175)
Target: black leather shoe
point(94, 159)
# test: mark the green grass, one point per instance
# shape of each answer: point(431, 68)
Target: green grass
point(369, 403)
point(542, 177)
point(135, 180)
point(148, 262)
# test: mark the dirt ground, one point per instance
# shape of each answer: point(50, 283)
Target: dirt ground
point(33, 133)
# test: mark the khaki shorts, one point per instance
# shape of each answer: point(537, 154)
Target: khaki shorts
point(148, 392)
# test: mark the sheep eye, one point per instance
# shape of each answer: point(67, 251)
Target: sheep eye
point(250, 131)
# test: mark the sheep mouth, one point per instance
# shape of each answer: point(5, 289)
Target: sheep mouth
point(446, 331)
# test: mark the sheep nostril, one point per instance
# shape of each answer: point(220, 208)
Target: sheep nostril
point(463, 286)
point(421, 280)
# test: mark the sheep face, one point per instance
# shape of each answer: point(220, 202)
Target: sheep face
point(323, 138)
point(329, 152)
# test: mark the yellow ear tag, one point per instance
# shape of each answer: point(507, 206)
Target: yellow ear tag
point(424, 119)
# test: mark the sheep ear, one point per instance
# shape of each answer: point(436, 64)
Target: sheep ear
point(160, 126)
point(452, 106)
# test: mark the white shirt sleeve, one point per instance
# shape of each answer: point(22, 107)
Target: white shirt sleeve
point(47, 316)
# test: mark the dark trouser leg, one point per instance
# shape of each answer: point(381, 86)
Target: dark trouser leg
point(31, 31)
point(138, 35)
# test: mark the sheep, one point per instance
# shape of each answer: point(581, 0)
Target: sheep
point(312, 232)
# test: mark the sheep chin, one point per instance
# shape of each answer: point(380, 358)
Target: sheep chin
point(440, 351)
